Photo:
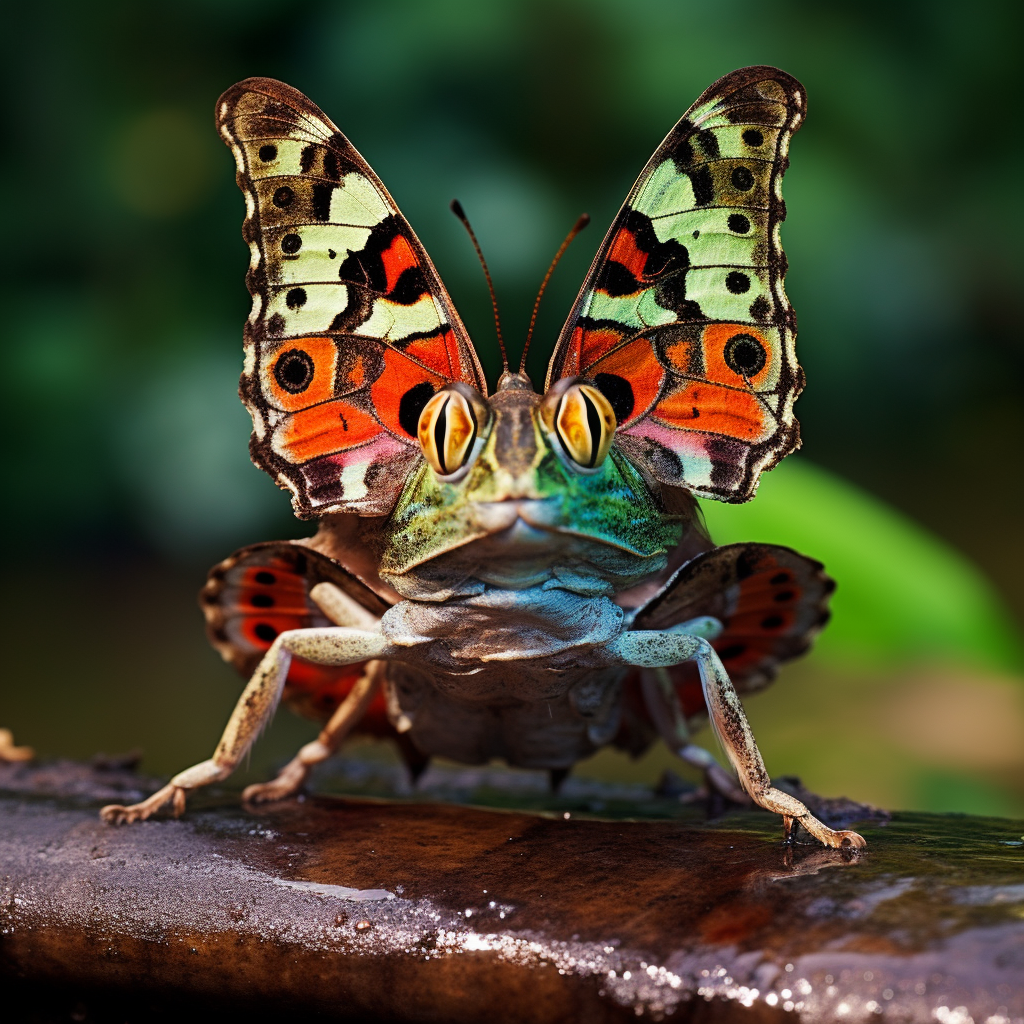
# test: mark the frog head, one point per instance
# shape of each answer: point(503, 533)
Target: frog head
point(523, 490)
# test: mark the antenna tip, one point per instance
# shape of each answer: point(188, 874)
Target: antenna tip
point(456, 208)
point(583, 221)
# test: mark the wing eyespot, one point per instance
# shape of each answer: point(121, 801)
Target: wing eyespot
point(745, 355)
point(294, 371)
point(742, 179)
point(283, 197)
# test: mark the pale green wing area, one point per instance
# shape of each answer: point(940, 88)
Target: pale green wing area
point(902, 592)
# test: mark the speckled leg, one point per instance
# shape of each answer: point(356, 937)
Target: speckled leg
point(293, 775)
point(654, 649)
point(9, 752)
point(255, 707)
point(663, 706)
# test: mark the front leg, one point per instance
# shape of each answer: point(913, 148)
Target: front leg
point(657, 649)
point(255, 707)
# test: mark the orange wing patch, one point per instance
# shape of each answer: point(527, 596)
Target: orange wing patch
point(301, 373)
point(341, 286)
point(692, 264)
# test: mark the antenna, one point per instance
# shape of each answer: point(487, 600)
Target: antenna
point(583, 221)
point(461, 214)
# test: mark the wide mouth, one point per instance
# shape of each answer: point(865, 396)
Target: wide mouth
point(526, 528)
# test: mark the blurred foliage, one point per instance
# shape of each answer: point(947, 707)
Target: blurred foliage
point(903, 594)
point(124, 297)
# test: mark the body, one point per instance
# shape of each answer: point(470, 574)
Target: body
point(519, 575)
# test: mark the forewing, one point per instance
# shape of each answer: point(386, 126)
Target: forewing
point(682, 321)
point(771, 602)
point(263, 590)
point(351, 330)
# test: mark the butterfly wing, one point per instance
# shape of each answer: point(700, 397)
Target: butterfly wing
point(682, 321)
point(351, 330)
point(263, 590)
point(771, 602)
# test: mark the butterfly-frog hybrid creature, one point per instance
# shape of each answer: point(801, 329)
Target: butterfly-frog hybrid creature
point(519, 576)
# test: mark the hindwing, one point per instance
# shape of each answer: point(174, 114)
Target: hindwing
point(682, 321)
point(771, 602)
point(351, 330)
point(263, 590)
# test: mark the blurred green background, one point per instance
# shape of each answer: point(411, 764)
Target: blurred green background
point(126, 466)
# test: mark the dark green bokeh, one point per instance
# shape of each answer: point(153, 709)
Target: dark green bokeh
point(124, 296)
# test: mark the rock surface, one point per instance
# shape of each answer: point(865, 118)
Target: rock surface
point(367, 909)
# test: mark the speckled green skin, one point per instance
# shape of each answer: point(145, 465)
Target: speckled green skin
point(524, 516)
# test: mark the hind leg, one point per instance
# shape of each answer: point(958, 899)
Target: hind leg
point(255, 708)
point(656, 649)
point(663, 706)
point(293, 775)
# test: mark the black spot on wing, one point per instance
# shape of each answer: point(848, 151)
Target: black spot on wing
point(703, 185)
point(411, 284)
point(365, 267)
point(742, 179)
point(322, 201)
point(619, 393)
point(708, 142)
point(411, 405)
point(737, 282)
point(678, 146)
point(306, 158)
point(616, 279)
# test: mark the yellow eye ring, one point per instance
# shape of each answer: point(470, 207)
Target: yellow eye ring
point(584, 424)
point(449, 424)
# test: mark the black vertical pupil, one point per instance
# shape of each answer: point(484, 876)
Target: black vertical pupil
point(594, 425)
point(268, 153)
point(440, 426)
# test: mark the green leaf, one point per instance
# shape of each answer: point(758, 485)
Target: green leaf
point(902, 592)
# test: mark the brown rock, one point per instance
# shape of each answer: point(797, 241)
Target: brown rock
point(361, 909)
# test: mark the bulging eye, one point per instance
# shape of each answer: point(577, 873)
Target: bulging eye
point(449, 424)
point(583, 420)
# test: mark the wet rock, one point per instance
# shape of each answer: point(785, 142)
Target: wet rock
point(365, 909)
